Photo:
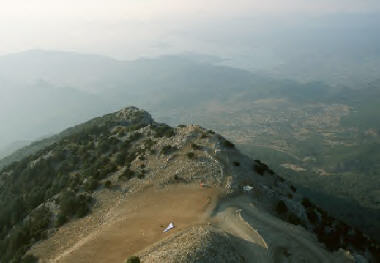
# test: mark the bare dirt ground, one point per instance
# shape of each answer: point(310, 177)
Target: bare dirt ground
point(264, 238)
point(139, 221)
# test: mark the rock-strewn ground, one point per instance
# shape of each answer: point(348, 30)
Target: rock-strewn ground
point(195, 244)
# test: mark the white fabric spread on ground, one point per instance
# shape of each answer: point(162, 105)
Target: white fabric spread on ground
point(170, 226)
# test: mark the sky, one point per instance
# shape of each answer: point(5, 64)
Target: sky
point(133, 28)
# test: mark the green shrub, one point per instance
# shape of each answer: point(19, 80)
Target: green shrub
point(82, 210)
point(293, 219)
point(261, 168)
point(306, 203)
point(91, 184)
point(331, 239)
point(311, 215)
point(120, 158)
point(167, 149)
point(127, 174)
point(195, 146)
point(190, 155)
point(61, 220)
point(204, 136)
point(29, 259)
point(163, 131)
point(141, 175)
point(133, 259)
point(228, 144)
point(134, 137)
point(73, 205)
point(39, 222)
point(107, 184)
point(281, 207)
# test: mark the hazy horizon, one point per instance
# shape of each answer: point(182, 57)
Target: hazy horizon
point(133, 29)
point(334, 42)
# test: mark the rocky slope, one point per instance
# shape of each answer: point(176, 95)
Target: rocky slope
point(106, 190)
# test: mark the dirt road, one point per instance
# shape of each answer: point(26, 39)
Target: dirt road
point(264, 238)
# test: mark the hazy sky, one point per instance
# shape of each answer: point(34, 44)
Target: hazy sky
point(133, 28)
point(326, 40)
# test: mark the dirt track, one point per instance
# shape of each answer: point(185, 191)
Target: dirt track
point(268, 239)
point(139, 222)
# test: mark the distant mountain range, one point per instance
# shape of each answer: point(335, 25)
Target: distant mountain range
point(40, 90)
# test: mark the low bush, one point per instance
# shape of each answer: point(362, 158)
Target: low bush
point(120, 158)
point(190, 155)
point(141, 175)
point(306, 203)
point(312, 215)
point(61, 220)
point(293, 219)
point(163, 131)
point(127, 174)
point(281, 207)
point(133, 259)
point(195, 146)
point(167, 149)
point(91, 184)
point(107, 184)
point(261, 168)
point(29, 259)
point(72, 205)
point(228, 144)
point(330, 239)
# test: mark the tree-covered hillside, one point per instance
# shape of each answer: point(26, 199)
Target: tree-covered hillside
point(48, 188)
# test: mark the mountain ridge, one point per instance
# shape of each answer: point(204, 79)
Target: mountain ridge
point(120, 156)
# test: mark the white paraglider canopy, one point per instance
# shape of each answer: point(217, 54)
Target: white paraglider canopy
point(170, 226)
